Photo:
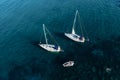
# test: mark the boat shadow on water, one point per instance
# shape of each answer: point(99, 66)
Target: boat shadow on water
point(61, 35)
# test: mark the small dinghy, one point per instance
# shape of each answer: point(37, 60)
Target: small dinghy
point(47, 46)
point(68, 64)
point(75, 37)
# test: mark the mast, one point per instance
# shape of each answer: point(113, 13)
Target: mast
point(73, 31)
point(45, 34)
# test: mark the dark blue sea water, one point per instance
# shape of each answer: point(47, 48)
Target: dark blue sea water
point(21, 30)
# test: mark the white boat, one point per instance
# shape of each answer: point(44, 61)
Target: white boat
point(47, 46)
point(68, 64)
point(75, 37)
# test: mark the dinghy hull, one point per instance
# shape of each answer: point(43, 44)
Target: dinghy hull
point(68, 64)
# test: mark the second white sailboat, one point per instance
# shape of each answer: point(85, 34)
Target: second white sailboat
point(73, 36)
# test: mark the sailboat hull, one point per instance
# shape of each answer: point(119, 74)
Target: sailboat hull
point(50, 47)
point(75, 37)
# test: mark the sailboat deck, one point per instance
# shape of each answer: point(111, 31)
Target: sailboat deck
point(75, 37)
point(50, 47)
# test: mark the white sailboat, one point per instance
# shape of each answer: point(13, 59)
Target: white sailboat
point(47, 46)
point(75, 37)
